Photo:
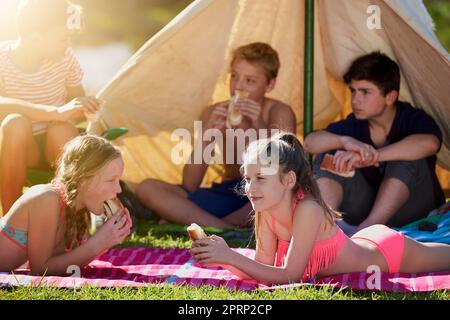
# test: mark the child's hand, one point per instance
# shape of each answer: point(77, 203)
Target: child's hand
point(211, 251)
point(252, 110)
point(367, 153)
point(78, 107)
point(217, 118)
point(114, 230)
point(345, 161)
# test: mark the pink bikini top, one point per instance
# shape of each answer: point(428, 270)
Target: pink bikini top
point(323, 254)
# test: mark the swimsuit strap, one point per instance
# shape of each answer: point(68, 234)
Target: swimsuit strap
point(300, 195)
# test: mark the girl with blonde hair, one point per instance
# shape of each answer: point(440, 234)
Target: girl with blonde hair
point(48, 226)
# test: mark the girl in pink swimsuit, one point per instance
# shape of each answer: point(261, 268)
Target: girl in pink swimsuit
point(48, 225)
point(297, 238)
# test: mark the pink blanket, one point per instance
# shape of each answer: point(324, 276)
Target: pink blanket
point(137, 267)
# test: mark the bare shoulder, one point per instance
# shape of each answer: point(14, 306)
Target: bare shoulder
point(282, 116)
point(279, 106)
point(309, 210)
point(41, 198)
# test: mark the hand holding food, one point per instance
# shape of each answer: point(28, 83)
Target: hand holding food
point(327, 165)
point(196, 232)
point(234, 116)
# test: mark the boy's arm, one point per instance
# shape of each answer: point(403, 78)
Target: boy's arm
point(411, 148)
point(322, 141)
point(193, 173)
point(283, 117)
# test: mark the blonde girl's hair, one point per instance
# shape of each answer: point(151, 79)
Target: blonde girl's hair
point(291, 157)
point(81, 159)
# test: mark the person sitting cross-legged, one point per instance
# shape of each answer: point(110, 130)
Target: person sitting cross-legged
point(391, 146)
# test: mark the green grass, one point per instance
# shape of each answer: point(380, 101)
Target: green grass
point(149, 234)
point(168, 292)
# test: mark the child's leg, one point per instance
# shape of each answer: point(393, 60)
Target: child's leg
point(407, 193)
point(19, 150)
point(241, 217)
point(330, 189)
point(425, 257)
point(391, 196)
point(353, 196)
point(58, 134)
point(170, 202)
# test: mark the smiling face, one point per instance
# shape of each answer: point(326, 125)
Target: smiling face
point(103, 186)
point(265, 191)
point(368, 101)
point(251, 78)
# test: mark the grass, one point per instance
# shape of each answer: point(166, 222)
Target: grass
point(168, 292)
point(149, 234)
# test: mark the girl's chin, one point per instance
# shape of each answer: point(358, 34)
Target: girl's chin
point(258, 207)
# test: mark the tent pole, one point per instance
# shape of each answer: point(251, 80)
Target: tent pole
point(308, 81)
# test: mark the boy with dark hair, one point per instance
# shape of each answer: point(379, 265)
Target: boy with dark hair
point(391, 146)
point(41, 95)
point(253, 69)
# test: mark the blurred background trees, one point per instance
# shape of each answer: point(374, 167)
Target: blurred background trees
point(440, 12)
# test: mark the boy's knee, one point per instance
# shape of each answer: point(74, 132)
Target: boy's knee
point(16, 126)
point(328, 185)
point(145, 188)
point(408, 172)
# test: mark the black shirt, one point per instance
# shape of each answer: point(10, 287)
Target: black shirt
point(407, 121)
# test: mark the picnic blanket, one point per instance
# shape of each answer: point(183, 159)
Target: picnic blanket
point(439, 219)
point(139, 267)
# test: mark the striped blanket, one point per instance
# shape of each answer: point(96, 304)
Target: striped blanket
point(138, 267)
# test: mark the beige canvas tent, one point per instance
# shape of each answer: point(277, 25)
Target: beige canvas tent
point(183, 68)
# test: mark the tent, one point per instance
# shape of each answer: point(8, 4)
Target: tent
point(183, 69)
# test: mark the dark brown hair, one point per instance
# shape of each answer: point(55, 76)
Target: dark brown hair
point(378, 68)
